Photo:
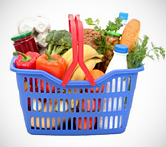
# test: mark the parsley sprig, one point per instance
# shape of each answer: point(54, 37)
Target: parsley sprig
point(141, 51)
point(112, 26)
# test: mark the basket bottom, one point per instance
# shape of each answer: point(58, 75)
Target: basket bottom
point(75, 132)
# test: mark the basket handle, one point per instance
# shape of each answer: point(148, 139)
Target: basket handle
point(80, 37)
point(76, 29)
point(72, 29)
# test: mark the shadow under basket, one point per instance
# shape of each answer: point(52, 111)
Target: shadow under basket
point(78, 108)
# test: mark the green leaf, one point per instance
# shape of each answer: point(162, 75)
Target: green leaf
point(96, 28)
point(150, 56)
point(100, 51)
point(107, 47)
point(89, 21)
point(97, 41)
point(141, 51)
point(114, 26)
point(98, 21)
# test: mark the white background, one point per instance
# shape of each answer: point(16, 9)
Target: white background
point(147, 121)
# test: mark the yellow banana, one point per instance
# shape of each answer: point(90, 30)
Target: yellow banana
point(79, 75)
point(89, 53)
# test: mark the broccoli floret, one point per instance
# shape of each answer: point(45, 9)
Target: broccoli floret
point(49, 40)
point(58, 41)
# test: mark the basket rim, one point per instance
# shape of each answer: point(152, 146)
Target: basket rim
point(72, 83)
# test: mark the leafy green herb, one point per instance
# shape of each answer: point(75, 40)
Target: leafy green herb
point(112, 26)
point(95, 23)
point(101, 43)
point(138, 54)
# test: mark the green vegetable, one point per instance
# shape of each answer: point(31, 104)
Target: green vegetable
point(95, 23)
point(58, 41)
point(112, 26)
point(138, 54)
point(49, 40)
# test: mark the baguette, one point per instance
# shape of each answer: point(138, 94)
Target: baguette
point(130, 34)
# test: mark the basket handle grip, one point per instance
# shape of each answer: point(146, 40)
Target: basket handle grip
point(72, 29)
point(76, 29)
point(80, 37)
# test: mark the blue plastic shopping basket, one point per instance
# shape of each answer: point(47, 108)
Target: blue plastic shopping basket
point(78, 108)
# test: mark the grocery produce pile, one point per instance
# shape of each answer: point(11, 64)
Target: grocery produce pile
point(41, 48)
point(51, 50)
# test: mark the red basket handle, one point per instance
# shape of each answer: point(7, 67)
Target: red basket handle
point(72, 29)
point(76, 29)
point(80, 37)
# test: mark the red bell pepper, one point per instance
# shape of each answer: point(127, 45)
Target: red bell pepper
point(26, 61)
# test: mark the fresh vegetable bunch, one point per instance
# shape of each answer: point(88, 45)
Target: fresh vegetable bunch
point(112, 26)
point(141, 51)
point(104, 45)
point(59, 41)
